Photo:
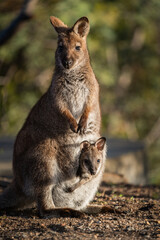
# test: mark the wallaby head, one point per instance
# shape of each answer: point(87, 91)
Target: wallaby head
point(71, 50)
point(91, 156)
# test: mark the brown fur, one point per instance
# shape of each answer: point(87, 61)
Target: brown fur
point(47, 147)
point(90, 162)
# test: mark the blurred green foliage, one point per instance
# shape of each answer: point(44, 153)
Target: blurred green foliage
point(124, 45)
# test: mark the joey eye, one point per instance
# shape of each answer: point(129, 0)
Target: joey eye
point(60, 46)
point(86, 161)
point(77, 48)
point(98, 160)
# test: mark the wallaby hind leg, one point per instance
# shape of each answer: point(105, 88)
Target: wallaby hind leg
point(44, 199)
point(47, 209)
point(12, 198)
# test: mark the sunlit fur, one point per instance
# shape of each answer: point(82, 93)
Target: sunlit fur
point(47, 148)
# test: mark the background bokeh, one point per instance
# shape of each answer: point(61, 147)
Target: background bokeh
point(124, 45)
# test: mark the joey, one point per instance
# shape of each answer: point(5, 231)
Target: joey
point(90, 162)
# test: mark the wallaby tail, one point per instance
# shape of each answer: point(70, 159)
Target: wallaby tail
point(11, 197)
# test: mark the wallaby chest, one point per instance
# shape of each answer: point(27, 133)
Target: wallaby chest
point(75, 95)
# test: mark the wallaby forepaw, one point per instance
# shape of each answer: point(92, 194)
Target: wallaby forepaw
point(82, 127)
point(69, 190)
point(74, 127)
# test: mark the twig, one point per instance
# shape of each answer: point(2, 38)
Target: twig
point(5, 80)
point(25, 14)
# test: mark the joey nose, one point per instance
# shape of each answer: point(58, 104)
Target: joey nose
point(93, 172)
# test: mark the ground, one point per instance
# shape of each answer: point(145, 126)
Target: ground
point(139, 217)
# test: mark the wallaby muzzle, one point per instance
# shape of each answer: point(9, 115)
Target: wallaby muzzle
point(67, 63)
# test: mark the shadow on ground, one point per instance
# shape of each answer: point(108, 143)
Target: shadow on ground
point(139, 218)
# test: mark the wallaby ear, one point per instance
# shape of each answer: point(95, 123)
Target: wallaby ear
point(84, 145)
point(58, 24)
point(81, 27)
point(100, 143)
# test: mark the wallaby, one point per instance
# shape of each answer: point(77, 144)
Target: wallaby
point(90, 162)
point(46, 150)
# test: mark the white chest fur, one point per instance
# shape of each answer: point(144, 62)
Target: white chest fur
point(75, 95)
point(77, 103)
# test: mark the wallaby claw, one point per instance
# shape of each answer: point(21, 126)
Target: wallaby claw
point(74, 127)
point(69, 190)
point(82, 128)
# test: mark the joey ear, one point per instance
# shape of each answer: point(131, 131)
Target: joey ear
point(84, 145)
point(58, 25)
point(81, 27)
point(100, 143)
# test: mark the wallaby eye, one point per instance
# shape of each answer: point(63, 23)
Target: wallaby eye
point(60, 47)
point(98, 160)
point(77, 48)
point(60, 44)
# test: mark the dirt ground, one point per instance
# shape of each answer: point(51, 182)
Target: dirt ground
point(139, 217)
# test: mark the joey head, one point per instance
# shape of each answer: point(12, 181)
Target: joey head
point(90, 162)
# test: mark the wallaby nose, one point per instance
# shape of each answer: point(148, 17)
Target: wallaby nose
point(67, 63)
